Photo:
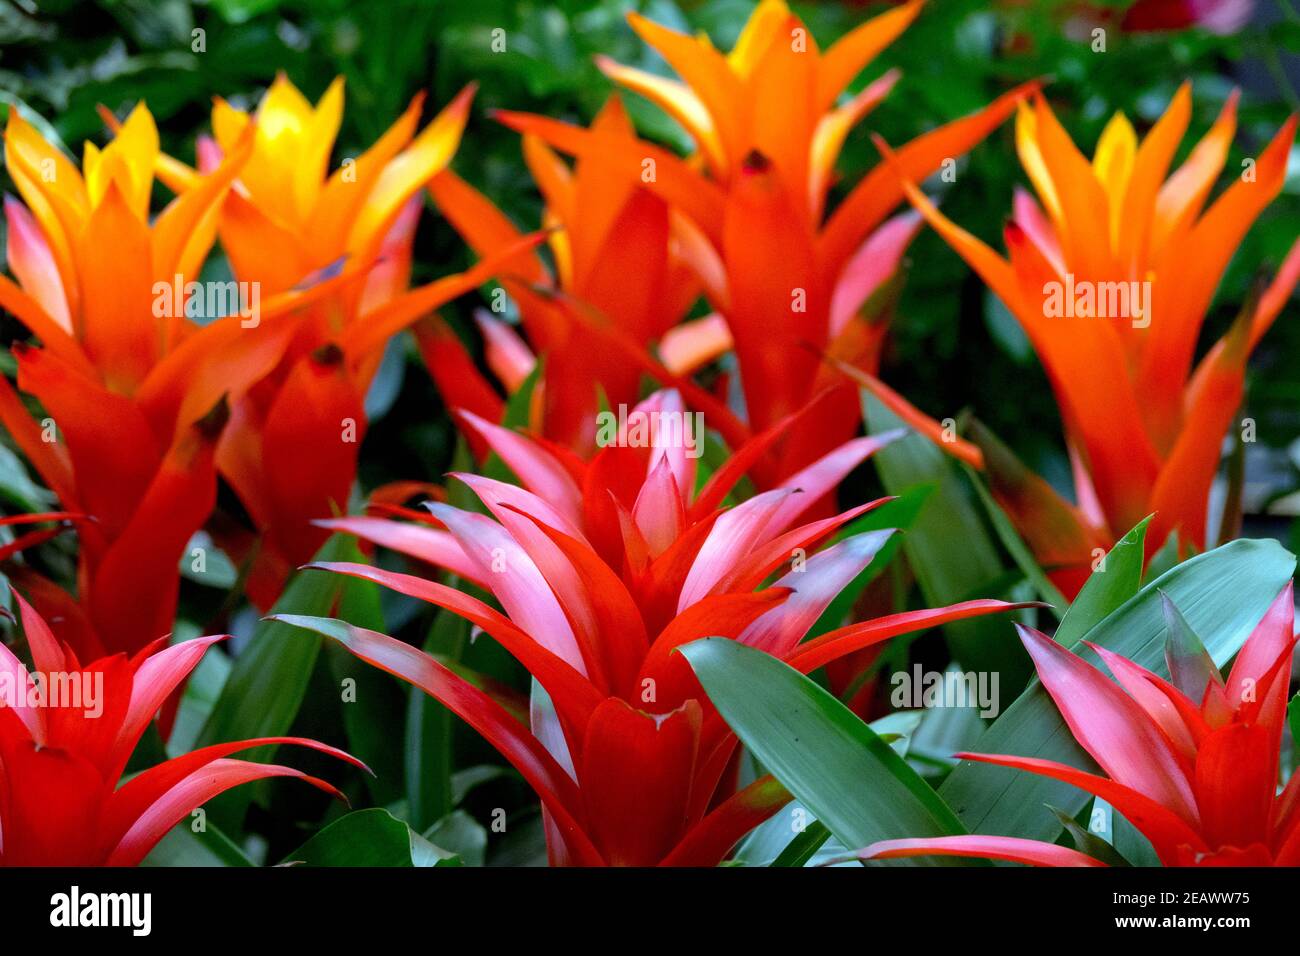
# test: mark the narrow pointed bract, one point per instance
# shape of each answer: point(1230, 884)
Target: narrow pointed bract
point(67, 730)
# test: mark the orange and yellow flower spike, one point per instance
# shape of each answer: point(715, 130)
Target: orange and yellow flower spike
point(1143, 426)
point(134, 392)
point(615, 247)
point(290, 450)
point(791, 282)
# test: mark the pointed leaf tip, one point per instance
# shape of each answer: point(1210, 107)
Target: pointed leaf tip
point(1191, 669)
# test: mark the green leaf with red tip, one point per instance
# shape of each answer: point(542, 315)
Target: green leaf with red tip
point(1016, 547)
point(1085, 841)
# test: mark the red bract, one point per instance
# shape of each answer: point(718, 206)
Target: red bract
point(63, 753)
point(603, 569)
point(1191, 762)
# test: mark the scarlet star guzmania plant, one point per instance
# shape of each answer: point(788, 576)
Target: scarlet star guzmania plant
point(63, 755)
point(1143, 427)
point(1191, 762)
point(134, 392)
point(603, 569)
point(290, 450)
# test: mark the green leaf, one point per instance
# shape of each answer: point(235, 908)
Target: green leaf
point(269, 679)
point(1164, 559)
point(429, 730)
point(1016, 546)
point(1115, 581)
point(948, 573)
point(17, 487)
point(1293, 721)
point(1087, 842)
point(215, 569)
point(183, 846)
point(1223, 594)
point(374, 703)
point(516, 415)
point(461, 834)
point(846, 776)
point(369, 838)
point(202, 690)
point(519, 404)
point(804, 846)
point(241, 11)
point(1191, 669)
point(896, 729)
point(1127, 839)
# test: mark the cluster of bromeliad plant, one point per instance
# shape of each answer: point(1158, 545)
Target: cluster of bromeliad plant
point(668, 599)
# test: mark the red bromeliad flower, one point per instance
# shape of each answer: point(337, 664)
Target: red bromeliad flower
point(67, 730)
point(616, 250)
point(290, 451)
point(788, 281)
point(134, 391)
point(602, 569)
point(1191, 762)
point(1111, 279)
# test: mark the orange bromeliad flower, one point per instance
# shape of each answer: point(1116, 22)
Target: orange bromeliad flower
point(290, 451)
point(603, 569)
point(1191, 762)
point(788, 281)
point(134, 392)
point(67, 730)
point(1111, 278)
point(615, 247)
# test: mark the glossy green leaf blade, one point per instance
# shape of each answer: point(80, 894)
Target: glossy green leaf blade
point(427, 756)
point(372, 703)
point(269, 680)
point(804, 846)
point(1222, 593)
point(848, 778)
point(948, 546)
point(1115, 581)
point(369, 838)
